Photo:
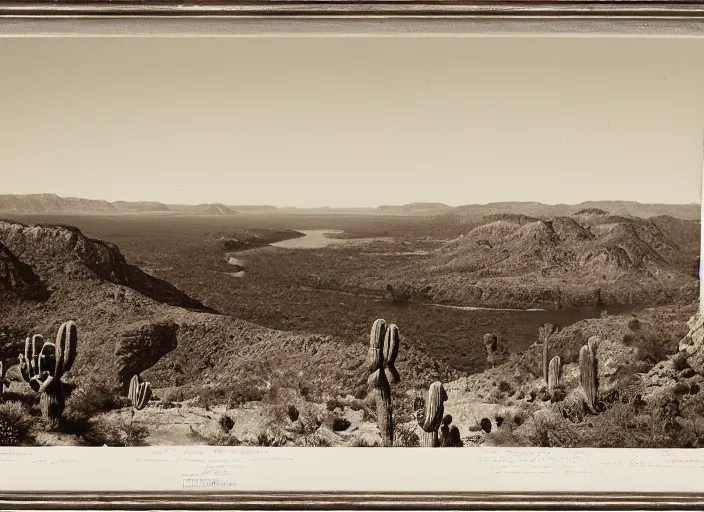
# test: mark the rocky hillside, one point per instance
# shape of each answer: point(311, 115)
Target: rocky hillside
point(591, 258)
point(131, 322)
point(219, 380)
point(17, 279)
point(648, 394)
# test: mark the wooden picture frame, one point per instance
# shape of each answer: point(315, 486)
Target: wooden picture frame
point(61, 18)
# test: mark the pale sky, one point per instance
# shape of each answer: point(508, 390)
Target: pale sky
point(353, 121)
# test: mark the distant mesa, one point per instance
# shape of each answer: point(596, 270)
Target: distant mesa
point(51, 203)
point(204, 209)
point(54, 204)
point(417, 209)
point(140, 206)
point(253, 208)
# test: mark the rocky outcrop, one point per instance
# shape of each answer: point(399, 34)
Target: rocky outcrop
point(17, 279)
point(58, 250)
point(692, 345)
point(141, 346)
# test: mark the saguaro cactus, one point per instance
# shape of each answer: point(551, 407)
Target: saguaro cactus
point(554, 372)
point(589, 371)
point(140, 392)
point(383, 350)
point(4, 383)
point(44, 364)
point(544, 335)
point(430, 413)
point(491, 344)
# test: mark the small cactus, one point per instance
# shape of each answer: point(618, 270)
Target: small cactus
point(140, 392)
point(449, 433)
point(491, 344)
point(383, 350)
point(44, 364)
point(555, 372)
point(4, 382)
point(430, 414)
point(589, 371)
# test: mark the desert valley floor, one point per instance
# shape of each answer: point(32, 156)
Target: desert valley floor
point(254, 327)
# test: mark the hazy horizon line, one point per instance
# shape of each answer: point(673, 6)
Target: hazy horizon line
point(439, 203)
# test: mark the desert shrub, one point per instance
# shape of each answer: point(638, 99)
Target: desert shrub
point(232, 396)
point(28, 397)
point(405, 436)
point(679, 361)
point(269, 438)
point(317, 442)
point(546, 429)
point(405, 292)
point(485, 425)
point(558, 395)
point(503, 437)
point(224, 440)
point(339, 424)
point(573, 408)
point(92, 398)
point(362, 443)
point(15, 423)
point(292, 412)
point(634, 324)
point(651, 350)
point(518, 418)
point(505, 387)
point(174, 395)
point(226, 422)
point(106, 431)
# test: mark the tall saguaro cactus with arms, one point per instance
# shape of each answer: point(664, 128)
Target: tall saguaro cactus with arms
point(43, 364)
point(383, 350)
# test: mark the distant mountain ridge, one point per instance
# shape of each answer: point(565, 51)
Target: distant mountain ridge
point(52, 203)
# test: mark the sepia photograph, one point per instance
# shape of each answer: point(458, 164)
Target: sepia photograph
point(475, 242)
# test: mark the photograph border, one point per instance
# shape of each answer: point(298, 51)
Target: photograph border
point(305, 17)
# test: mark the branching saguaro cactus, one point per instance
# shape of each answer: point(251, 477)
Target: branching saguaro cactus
point(383, 350)
point(44, 364)
point(589, 371)
point(491, 345)
point(544, 334)
point(555, 372)
point(140, 393)
point(430, 413)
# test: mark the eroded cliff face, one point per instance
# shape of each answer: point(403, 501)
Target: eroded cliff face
point(58, 254)
point(18, 280)
point(692, 345)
